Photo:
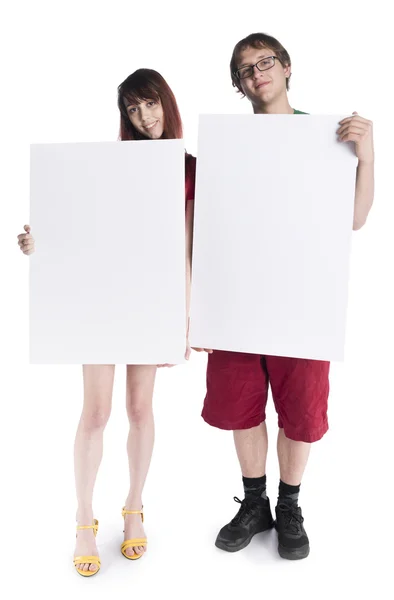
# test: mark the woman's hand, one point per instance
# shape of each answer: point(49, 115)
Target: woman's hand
point(187, 355)
point(26, 241)
point(188, 350)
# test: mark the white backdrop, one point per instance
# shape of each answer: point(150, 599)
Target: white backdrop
point(61, 64)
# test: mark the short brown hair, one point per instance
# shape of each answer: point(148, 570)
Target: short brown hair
point(258, 40)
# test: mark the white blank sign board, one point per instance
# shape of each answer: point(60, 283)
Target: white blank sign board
point(107, 280)
point(273, 222)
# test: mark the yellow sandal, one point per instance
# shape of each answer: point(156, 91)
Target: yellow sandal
point(135, 541)
point(88, 559)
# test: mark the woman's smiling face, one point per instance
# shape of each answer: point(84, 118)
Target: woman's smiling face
point(147, 117)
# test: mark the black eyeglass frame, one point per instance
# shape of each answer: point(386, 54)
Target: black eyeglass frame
point(236, 73)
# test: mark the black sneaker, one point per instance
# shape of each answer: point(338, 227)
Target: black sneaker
point(293, 540)
point(253, 517)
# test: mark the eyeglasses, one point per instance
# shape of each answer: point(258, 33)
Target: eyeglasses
point(263, 65)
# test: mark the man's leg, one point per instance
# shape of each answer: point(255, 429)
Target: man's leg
point(300, 390)
point(293, 457)
point(237, 388)
point(254, 514)
point(251, 446)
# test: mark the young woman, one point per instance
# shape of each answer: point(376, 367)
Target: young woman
point(148, 110)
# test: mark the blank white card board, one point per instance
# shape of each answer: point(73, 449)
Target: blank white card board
point(273, 222)
point(107, 280)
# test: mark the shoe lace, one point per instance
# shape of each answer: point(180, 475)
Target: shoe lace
point(292, 517)
point(245, 510)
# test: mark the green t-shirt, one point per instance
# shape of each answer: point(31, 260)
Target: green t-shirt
point(299, 112)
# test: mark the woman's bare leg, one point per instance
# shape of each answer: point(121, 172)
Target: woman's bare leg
point(139, 394)
point(88, 450)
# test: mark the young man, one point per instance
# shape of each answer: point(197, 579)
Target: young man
point(237, 383)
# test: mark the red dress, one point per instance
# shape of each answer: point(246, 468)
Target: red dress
point(190, 176)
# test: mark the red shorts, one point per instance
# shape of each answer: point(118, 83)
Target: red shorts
point(237, 391)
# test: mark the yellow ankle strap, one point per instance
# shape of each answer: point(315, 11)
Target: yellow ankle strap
point(94, 526)
point(133, 512)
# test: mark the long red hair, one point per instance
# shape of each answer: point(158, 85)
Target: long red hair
point(146, 84)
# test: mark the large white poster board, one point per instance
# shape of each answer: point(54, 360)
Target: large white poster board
point(107, 280)
point(273, 223)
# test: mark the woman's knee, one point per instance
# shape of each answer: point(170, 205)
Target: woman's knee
point(139, 410)
point(95, 418)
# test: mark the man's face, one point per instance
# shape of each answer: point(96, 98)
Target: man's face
point(262, 87)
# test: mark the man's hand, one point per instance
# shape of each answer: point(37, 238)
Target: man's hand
point(360, 131)
point(203, 350)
